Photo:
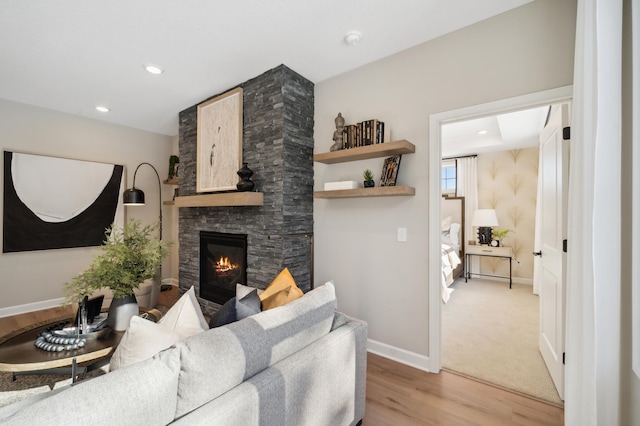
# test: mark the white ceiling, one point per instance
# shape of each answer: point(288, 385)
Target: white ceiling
point(513, 130)
point(71, 55)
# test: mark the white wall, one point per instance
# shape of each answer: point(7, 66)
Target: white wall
point(378, 279)
point(36, 278)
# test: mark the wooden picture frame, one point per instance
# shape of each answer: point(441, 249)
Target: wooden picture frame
point(390, 171)
point(219, 142)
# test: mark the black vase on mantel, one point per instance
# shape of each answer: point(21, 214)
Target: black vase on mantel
point(245, 183)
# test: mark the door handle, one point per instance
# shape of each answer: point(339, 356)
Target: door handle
point(537, 253)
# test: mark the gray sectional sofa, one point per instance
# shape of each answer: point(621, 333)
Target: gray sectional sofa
point(299, 364)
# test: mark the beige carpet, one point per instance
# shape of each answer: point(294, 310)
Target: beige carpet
point(490, 332)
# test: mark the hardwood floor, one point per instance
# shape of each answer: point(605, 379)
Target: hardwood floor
point(9, 324)
point(401, 395)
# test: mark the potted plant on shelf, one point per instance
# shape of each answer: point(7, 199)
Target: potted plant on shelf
point(129, 256)
point(499, 234)
point(368, 179)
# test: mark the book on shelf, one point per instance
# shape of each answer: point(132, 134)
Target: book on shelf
point(368, 132)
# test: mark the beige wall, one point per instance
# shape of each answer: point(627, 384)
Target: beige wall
point(35, 279)
point(378, 279)
point(508, 183)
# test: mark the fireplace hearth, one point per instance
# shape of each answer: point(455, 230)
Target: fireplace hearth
point(223, 264)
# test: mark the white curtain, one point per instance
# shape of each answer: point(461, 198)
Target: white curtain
point(593, 268)
point(467, 187)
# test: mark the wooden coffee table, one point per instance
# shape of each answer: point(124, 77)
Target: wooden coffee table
point(19, 355)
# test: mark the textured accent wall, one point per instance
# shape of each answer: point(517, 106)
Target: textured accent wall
point(278, 109)
point(508, 183)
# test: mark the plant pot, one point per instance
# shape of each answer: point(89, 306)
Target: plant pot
point(369, 183)
point(121, 311)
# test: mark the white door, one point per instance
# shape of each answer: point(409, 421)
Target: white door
point(554, 152)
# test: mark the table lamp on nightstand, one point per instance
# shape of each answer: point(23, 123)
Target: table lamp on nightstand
point(484, 219)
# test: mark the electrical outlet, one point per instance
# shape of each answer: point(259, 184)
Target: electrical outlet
point(402, 234)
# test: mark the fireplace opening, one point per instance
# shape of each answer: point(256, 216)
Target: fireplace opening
point(223, 264)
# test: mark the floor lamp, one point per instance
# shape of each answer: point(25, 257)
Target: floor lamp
point(135, 197)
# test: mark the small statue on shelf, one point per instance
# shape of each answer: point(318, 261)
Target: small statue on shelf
point(173, 167)
point(338, 134)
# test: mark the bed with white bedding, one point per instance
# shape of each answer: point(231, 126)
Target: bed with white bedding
point(452, 214)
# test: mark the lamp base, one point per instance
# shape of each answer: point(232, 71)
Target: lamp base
point(484, 235)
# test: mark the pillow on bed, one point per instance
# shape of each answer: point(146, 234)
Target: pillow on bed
point(454, 231)
point(446, 223)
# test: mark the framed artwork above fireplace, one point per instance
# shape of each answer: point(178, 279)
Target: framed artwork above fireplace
point(219, 142)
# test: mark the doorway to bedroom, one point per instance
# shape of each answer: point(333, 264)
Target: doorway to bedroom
point(488, 331)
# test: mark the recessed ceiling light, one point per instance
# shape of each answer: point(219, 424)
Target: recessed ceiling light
point(483, 132)
point(102, 108)
point(153, 69)
point(352, 38)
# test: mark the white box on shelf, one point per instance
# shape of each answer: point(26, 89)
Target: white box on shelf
point(346, 184)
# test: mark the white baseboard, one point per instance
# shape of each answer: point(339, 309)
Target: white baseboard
point(402, 356)
point(170, 281)
point(31, 307)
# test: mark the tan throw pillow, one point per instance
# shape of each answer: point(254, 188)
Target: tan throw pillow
point(282, 290)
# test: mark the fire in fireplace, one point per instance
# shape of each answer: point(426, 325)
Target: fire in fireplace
point(223, 264)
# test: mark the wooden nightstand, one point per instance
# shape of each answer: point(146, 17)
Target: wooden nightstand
point(488, 251)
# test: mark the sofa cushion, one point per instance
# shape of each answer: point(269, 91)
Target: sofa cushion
point(144, 394)
point(238, 351)
point(236, 309)
point(282, 290)
point(248, 305)
point(225, 315)
point(185, 316)
point(142, 340)
point(242, 290)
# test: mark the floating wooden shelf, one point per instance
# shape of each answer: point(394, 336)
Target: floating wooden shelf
point(221, 199)
point(366, 152)
point(173, 181)
point(382, 191)
point(169, 203)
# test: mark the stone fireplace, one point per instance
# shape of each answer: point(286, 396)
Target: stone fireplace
point(278, 147)
point(223, 263)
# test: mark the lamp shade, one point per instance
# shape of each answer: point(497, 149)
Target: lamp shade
point(133, 197)
point(484, 217)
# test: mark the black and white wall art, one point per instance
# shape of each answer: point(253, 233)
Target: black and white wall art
point(53, 203)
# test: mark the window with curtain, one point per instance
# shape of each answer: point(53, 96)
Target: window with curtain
point(448, 177)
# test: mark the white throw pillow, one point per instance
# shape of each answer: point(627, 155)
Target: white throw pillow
point(243, 290)
point(453, 235)
point(185, 317)
point(142, 340)
point(446, 223)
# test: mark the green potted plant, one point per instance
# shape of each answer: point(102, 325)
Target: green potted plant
point(368, 179)
point(499, 234)
point(129, 256)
